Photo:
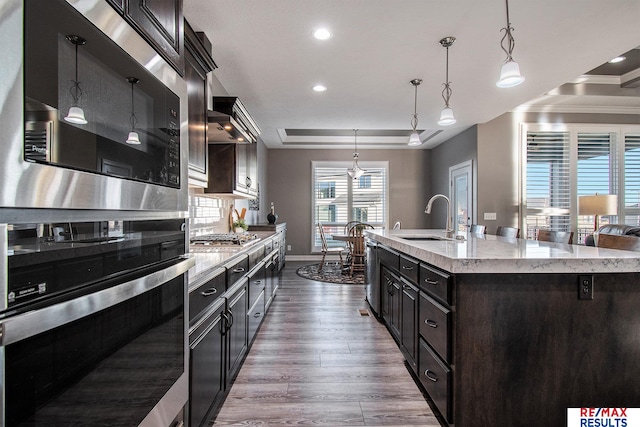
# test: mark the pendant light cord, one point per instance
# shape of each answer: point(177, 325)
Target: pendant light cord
point(414, 120)
point(446, 92)
point(133, 117)
point(508, 36)
point(75, 90)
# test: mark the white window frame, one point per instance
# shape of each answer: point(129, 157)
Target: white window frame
point(346, 165)
point(617, 168)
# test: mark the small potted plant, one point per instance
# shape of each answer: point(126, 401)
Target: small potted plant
point(240, 226)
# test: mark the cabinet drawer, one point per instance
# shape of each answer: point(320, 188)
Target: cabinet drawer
point(236, 270)
point(409, 268)
point(255, 256)
point(256, 315)
point(389, 257)
point(435, 376)
point(256, 285)
point(436, 283)
point(268, 246)
point(434, 320)
point(202, 296)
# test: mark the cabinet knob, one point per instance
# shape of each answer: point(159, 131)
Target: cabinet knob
point(431, 375)
point(431, 323)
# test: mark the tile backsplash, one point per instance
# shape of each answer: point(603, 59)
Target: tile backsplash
point(211, 214)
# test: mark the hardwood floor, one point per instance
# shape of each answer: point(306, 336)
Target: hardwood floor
point(318, 361)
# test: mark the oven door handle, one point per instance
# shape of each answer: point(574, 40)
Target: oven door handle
point(16, 328)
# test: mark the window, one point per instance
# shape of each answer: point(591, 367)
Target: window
point(564, 162)
point(339, 199)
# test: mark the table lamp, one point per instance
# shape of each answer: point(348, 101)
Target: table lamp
point(596, 205)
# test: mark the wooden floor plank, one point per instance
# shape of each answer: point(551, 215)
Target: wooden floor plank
point(317, 361)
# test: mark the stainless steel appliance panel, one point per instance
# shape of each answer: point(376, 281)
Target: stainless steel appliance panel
point(34, 185)
point(372, 279)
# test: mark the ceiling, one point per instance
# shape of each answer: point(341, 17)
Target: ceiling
point(268, 57)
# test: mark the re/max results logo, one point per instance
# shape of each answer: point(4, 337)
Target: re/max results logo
point(603, 417)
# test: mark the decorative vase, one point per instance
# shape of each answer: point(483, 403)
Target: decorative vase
point(239, 230)
point(272, 217)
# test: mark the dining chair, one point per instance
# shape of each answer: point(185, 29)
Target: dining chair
point(477, 229)
point(512, 232)
point(555, 236)
point(356, 249)
point(326, 250)
point(623, 242)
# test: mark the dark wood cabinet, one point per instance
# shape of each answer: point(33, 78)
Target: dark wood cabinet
point(236, 330)
point(206, 376)
point(391, 300)
point(230, 171)
point(160, 23)
point(409, 329)
point(198, 63)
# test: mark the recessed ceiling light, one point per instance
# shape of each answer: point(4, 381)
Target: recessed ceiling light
point(617, 59)
point(322, 34)
point(319, 88)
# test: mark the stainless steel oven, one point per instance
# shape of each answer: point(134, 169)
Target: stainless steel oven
point(93, 323)
point(91, 117)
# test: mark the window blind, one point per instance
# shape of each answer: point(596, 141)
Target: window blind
point(631, 210)
point(339, 199)
point(548, 179)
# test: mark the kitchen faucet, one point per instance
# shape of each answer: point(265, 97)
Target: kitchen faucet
point(449, 229)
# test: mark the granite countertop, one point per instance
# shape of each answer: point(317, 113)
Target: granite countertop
point(216, 257)
point(493, 254)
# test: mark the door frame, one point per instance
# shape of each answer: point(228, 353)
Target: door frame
point(464, 168)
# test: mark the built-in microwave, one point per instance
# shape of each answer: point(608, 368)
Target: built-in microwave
point(91, 114)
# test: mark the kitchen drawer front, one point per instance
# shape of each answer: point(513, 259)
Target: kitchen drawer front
point(202, 296)
point(436, 282)
point(256, 315)
point(236, 270)
point(255, 256)
point(409, 268)
point(435, 376)
point(389, 258)
point(434, 321)
point(256, 285)
point(268, 246)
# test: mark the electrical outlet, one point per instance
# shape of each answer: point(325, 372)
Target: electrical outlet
point(490, 216)
point(288, 247)
point(585, 287)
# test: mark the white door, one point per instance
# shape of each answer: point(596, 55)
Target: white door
point(461, 194)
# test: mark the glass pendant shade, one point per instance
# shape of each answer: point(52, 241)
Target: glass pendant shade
point(510, 75)
point(133, 138)
point(446, 117)
point(76, 116)
point(414, 139)
point(355, 172)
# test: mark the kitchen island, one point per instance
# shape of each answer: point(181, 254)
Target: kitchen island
point(512, 332)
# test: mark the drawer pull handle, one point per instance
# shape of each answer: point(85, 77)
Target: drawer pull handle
point(433, 377)
point(257, 315)
point(404, 267)
point(238, 270)
point(407, 287)
point(209, 292)
point(431, 323)
point(431, 282)
point(257, 282)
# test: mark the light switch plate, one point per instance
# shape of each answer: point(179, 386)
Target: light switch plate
point(490, 216)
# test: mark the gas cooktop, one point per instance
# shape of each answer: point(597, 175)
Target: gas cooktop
point(225, 239)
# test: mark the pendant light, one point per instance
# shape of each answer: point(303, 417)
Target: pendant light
point(133, 137)
point(510, 73)
point(355, 172)
point(446, 115)
point(76, 113)
point(414, 138)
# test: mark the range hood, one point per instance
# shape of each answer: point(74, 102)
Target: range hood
point(229, 121)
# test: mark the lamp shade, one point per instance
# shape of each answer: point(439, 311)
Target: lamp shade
point(599, 204)
point(414, 139)
point(133, 138)
point(510, 75)
point(355, 172)
point(446, 117)
point(76, 116)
